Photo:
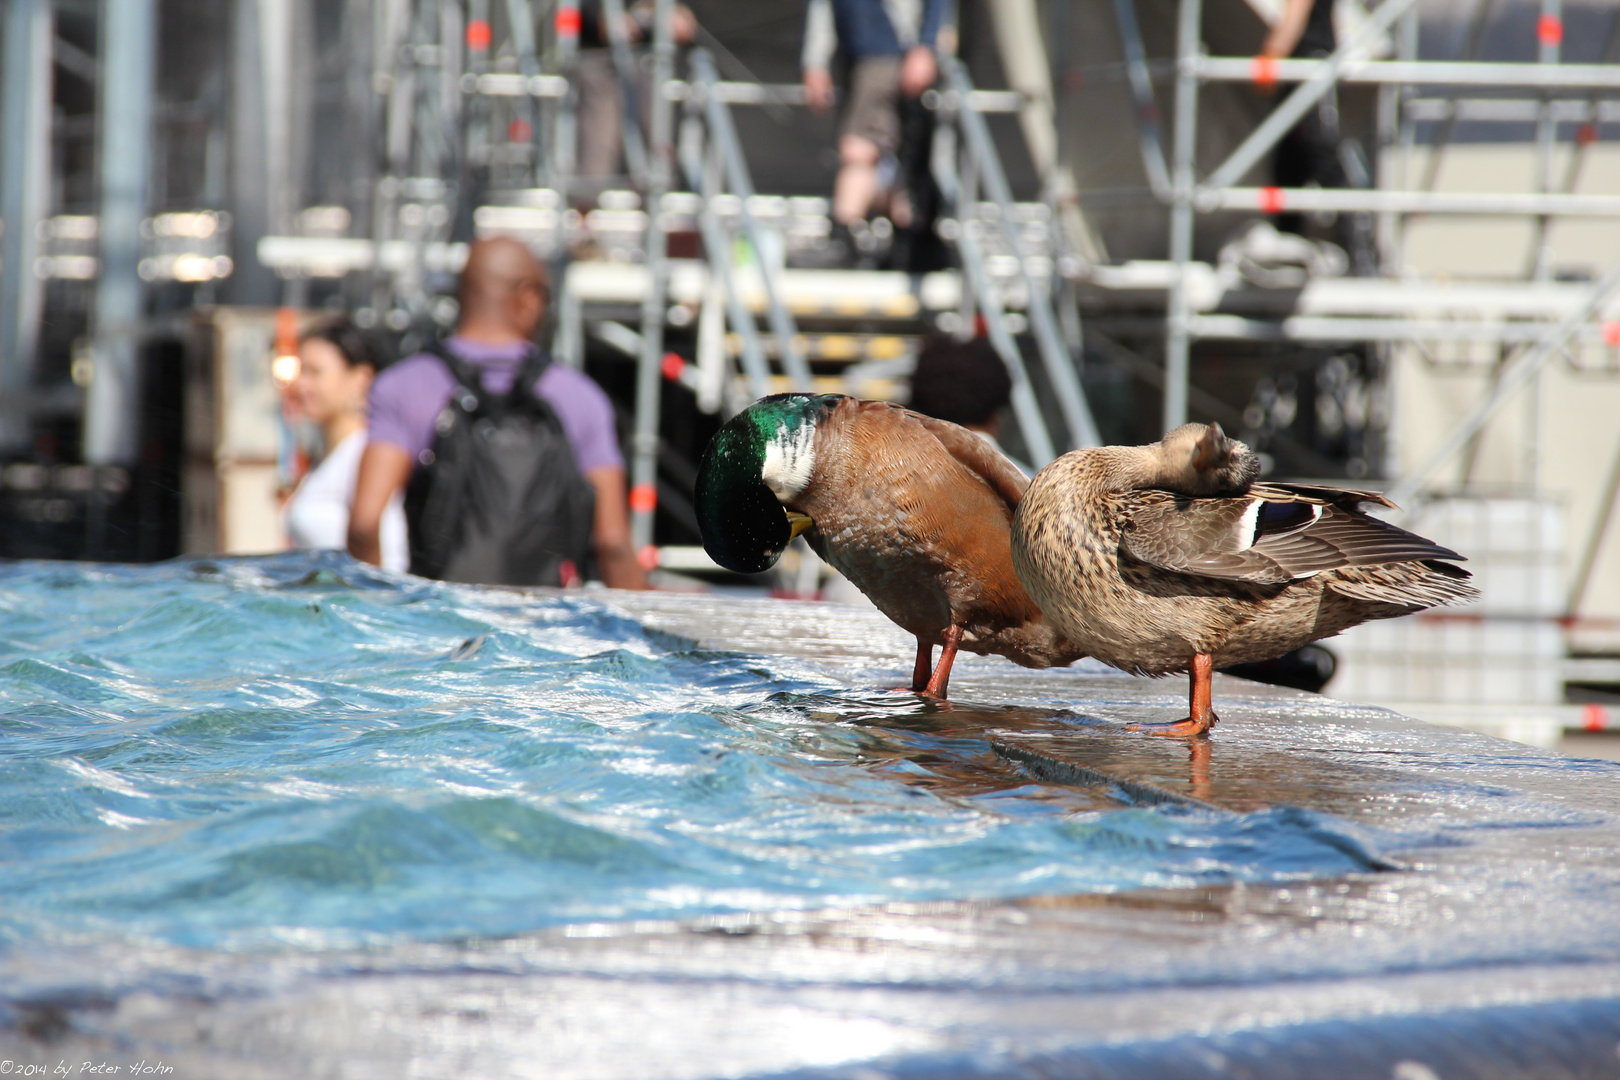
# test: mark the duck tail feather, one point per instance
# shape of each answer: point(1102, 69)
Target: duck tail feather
point(1415, 585)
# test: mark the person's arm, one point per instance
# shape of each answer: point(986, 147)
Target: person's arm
point(384, 469)
point(639, 23)
point(615, 555)
point(918, 71)
point(1287, 30)
point(820, 40)
point(933, 17)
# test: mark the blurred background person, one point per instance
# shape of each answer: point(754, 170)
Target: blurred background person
point(504, 292)
point(1315, 151)
point(603, 110)
point(889, 49)
point(965, 382)
point(335, 374)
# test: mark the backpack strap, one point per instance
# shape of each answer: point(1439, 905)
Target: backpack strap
point(472, 396)
point(469, 382)
point(528, 375)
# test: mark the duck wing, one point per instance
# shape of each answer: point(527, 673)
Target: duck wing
point(1273, 534)
point(980, 456)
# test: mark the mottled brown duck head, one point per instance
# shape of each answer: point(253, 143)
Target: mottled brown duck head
point(1199, 459)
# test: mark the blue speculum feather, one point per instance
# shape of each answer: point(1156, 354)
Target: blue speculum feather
point(301, 750)
point(1276, 518)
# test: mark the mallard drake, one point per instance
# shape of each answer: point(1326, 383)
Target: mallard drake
point(1169, 557)
point(915, 512)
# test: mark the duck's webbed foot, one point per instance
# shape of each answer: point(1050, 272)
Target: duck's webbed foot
point(1187, 727)
point(1201, 712)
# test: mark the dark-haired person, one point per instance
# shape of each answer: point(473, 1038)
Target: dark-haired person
point(1316, 151)
point(335, 372)
point(965, 382)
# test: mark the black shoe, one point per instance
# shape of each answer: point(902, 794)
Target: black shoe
point(871, 241)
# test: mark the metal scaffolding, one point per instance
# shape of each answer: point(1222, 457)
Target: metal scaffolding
point(489, 136)
point(25, 132)
point(1219, 190)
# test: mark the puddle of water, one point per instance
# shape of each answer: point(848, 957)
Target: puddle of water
point(301, 750)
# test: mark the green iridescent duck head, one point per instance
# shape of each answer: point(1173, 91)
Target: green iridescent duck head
point(760, 459)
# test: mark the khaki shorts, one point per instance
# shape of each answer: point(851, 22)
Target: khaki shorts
point(872, 110)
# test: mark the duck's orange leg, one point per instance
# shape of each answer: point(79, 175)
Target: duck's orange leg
point(941, 678)
point(1201, 710)
point(923, 668)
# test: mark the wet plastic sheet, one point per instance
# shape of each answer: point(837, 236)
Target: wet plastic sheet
point(364, 825)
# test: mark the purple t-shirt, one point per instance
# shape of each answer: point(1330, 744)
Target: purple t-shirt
point(407, 397)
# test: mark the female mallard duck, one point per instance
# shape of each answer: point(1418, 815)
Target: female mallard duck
point(1169, 557)
point(916, 512)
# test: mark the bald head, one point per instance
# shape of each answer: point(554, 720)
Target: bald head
point(504, 290)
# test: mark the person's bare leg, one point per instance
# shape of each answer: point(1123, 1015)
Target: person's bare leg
point(900, 209)
point(857, 183)
point(941, 678)
point(923, 668)
point(1201, 710)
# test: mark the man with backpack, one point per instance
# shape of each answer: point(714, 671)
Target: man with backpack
point(510, 463)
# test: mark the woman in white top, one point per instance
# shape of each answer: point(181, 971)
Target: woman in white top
point(334, 379)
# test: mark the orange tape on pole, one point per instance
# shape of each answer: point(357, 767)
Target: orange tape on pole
point(1264, 71)
point(644, 498)
point(286, 331)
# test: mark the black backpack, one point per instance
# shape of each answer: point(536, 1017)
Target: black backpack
point(499, 499)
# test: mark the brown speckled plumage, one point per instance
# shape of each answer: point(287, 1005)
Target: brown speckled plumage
point(917, 514)
point(1147, 556)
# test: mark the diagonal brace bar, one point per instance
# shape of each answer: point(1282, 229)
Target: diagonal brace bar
point(1147, 109)
point(1515, 376)
point(742, 186)
point(624, 66)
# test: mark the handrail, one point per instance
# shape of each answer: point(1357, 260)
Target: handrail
point(718, 251)
point(1031, 424)
point(742, 186)
point(1060, 366)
